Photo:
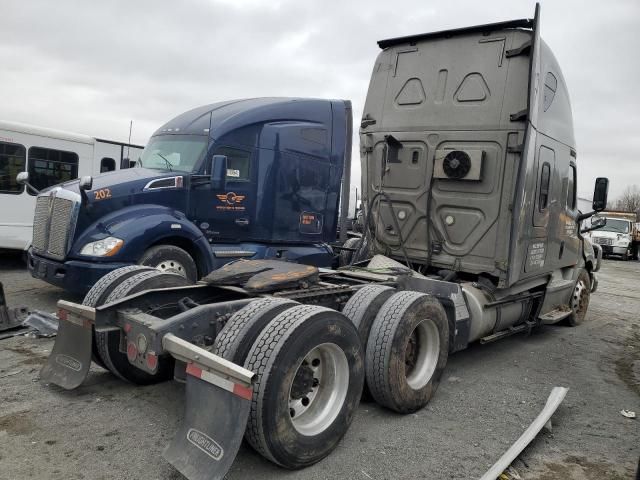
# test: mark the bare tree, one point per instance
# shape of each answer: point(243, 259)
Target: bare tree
point(629, 201)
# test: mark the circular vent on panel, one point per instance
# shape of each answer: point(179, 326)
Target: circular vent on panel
point(456, 164)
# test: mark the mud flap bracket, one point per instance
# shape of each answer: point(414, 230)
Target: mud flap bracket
point(218, 399)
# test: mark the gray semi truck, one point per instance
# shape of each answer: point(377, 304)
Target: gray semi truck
point(471, 234)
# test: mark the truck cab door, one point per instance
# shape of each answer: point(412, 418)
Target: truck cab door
point(227, 215)
point(570, 246)
point(544, 205)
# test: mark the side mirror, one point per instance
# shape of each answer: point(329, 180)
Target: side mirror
point(22, 178)
point(600, 193)
point(596, 222)
point(86, 183)
point(218, 172)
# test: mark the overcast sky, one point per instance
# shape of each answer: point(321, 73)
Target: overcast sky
point(90, 67)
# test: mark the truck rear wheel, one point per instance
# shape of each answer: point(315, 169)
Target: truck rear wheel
point(362, 309)
point(364, 305)
point(234, 341)
point(108, 343)
point(407, 351)
point(99, 292)
point(309, 376)
point(580, 299)
point(171, 259)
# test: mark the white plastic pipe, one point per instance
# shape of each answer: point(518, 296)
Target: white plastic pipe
point(553, 402)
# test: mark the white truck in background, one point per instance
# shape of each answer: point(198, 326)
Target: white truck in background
point(620, 236)
point(51, 157)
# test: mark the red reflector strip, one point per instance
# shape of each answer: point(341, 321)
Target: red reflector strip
point(212, 378)
point(65, 315)
point(244, 392)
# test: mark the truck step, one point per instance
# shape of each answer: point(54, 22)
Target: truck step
point(523, 327)
point(554, 316)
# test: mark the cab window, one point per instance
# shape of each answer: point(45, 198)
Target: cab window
point(238, 163)
point(571, 188)
point(48, 167)
point(543, 198)
point(107, 165)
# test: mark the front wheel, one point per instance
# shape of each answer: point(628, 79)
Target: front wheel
point(580, 299)
point(171, 259)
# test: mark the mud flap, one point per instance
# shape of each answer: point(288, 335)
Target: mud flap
point(208, 440)
point(216, 413)
point(70, 359)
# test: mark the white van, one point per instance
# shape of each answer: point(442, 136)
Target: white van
point(51, 157)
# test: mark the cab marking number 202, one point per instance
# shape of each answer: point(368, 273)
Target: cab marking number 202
point(102, 194)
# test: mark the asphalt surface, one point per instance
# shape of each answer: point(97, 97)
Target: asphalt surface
point(107, 429)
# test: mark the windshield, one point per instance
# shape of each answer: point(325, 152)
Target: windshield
point(617, 226)
point(173, 152)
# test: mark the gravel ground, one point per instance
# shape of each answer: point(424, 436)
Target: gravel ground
point(107, 429)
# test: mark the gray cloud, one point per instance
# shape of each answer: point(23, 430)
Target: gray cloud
point(90, 67)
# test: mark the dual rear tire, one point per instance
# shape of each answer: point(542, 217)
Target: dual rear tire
point(406, 339)
point(106, 348)
point(309, 368)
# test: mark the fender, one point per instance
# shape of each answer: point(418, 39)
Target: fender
point(141, 226)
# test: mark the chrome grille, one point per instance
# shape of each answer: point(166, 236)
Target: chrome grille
point(54, 223)
point(59, 229)
point(41, 223)
point(603, 241)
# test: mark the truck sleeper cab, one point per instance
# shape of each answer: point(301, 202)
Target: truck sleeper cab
point(256, 178)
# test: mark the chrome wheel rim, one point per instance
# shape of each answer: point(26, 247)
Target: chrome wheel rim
point(421, 354)
point(171, 266)
point(318, 389)
point(578, 298)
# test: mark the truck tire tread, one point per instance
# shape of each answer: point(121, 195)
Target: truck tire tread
point(105, 339)
point(388, 385)
point(240, 332)
point(265, 351)
point(99, 291)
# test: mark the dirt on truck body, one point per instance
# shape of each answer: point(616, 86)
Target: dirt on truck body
point(470, 234)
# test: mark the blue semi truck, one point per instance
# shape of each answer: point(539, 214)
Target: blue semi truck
point(252, 179)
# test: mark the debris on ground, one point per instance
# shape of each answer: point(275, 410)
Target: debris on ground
point(628, 413)
point(510, 474)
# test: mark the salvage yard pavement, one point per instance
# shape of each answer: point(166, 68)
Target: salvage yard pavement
point(107, 429)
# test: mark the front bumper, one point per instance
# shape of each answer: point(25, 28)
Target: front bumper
point(73, 275)
point(609, 250)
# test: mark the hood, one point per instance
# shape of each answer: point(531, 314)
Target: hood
point(127, 179)
point(123, 188)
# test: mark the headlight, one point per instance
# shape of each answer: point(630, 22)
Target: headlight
point(103, 248)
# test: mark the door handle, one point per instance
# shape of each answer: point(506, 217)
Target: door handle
point(243, 222)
